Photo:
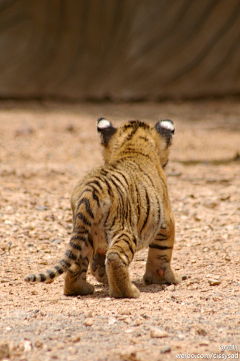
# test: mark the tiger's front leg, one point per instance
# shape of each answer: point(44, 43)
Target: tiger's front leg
point(158, 267)
point(118, 258)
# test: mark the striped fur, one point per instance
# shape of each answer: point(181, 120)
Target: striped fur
point(118, 209)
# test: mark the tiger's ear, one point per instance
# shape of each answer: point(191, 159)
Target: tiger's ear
point(105, 129)
point(166, 129)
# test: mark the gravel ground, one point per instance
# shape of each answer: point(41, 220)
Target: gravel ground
point(44, 150)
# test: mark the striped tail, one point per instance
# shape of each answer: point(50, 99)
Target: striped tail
point(48, 276)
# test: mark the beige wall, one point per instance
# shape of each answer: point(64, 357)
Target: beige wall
point(96, 49)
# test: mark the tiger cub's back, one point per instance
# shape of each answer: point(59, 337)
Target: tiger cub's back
point(119, 208)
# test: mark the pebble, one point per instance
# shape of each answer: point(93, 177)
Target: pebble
point(4, 350)
point(158, 333)
point(76, 339)
point(88, 322)
point(201, 332)
point(204, 343)
point(129, 354)
point(213, 282)
point(27, 346)
point(208, 203)
point(165, 349)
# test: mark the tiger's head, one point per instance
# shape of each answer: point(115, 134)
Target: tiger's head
point(136, 137)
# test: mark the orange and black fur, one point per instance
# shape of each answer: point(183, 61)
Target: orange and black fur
point(118, 209)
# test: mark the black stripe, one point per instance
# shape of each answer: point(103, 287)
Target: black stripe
point(70, 255)
point(93, 190)
point(65, 263)
point(119, 180)
point(79, 238)
point(162, 237)
point(162, 258)
point(51, 274)
point(81, 216)
point(79, 230)
point(87, 206)
point(75, 246)
point(149, 178)
point(90, 240)
point(109, 188)
point(128, 243)
point(134, 240)
point(34, 278)
point(43, 277)
point(148, 208)
point(113, 221)
point(59, 269)
point(162, 248)
point(120, 173)
point(97, 183)
point(95, 197)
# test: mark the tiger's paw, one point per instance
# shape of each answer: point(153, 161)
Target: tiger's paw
point(98, 266)
point(161, 276)
point(74, 290)
point(131, 292)
point(74, 285)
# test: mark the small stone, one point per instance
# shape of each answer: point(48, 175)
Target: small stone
point(129, 354)
point(70, 128)
point(4, 350)
point(56, 241)
point(208, 203)
point(158, 333)
point(206, 249)
point(42, 208)
point(204, 343)
point(227, 258)
point(201, 332)
point(171, 288)
point(184, 277)
point(88, 322)
point(72, 350)
point(125, 312)
point(165, 349)
point(213, 282)
point(76, 339)
point(38, 344)
point(89, 314)
point(27, 346)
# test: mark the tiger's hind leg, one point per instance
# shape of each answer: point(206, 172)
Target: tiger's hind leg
point(98, 269)
point(75, 279)
point(118, 258)
point(158, 267)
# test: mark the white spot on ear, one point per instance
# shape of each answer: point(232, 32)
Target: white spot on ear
point(103, 123)
point(167, 124)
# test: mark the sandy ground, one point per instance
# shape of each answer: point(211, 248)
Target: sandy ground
point(44, 150)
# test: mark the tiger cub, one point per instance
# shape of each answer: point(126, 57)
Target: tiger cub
point(118, 209)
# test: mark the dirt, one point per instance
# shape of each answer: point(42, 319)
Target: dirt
point(45, 148)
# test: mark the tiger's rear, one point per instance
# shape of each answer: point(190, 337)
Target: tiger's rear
point(118, 209)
